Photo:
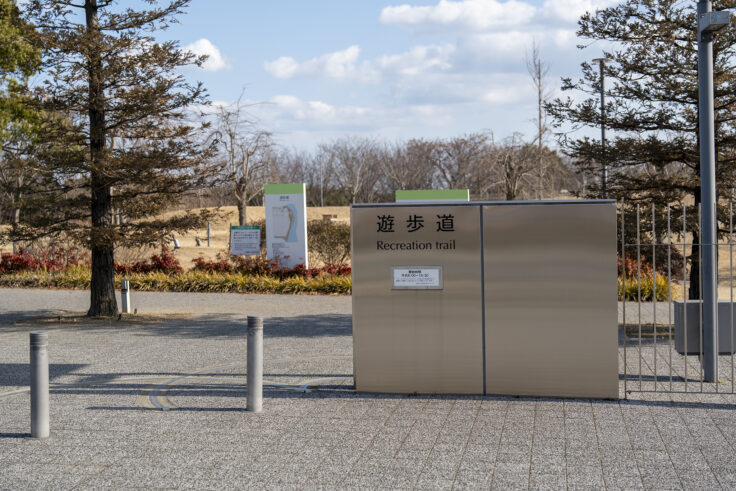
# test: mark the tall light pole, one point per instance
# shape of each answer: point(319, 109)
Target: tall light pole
point(604, 172)
point(708, 23)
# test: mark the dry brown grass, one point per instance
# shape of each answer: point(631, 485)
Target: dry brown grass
point(220, 234)
point(220, 237)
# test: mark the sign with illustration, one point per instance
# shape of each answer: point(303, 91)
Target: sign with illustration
point(286, 224)
point(245, 240)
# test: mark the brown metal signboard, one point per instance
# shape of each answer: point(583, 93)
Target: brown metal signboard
point(486, 298)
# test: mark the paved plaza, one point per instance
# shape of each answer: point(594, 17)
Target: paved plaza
point(159, 403)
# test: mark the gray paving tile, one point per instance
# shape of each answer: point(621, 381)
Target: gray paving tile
point(339, 440)
point(431, 483)
point(548, 482)
point(472, 480)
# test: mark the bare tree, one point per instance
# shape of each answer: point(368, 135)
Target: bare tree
point(409, 165)
point(354, 164)
point(460, 161)
point(538, 71)
point(514, 167)
point(246, 152)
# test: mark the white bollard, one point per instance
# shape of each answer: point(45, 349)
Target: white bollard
point(125, 296)
point(255, 364)
point(39, 384)
point(209, 233)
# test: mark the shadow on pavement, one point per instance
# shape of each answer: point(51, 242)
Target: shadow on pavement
point(208, 326)
point(8, 318)
point(19, 374)
point(308, 326)
point(15, 435)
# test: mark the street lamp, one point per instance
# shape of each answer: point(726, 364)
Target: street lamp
point(604, 171)
point(708, 24)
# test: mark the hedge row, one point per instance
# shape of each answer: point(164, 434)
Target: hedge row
point(78, 277)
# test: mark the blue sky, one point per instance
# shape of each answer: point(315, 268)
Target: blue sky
point(320, 69)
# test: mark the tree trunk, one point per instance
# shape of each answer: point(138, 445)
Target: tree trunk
point(694, 290)
point(102, 287)
point(16, 222)
point(242, 204)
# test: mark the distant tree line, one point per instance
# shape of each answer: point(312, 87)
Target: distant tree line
point(362, 170)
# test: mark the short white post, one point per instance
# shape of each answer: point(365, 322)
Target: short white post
point(255, 364)
point(39, 384)
point(209, 233)
point(125, 296)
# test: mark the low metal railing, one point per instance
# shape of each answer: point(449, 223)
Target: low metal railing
point(650, 331)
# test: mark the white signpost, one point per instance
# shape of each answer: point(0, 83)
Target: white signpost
point(286, 223)
point(245, 240)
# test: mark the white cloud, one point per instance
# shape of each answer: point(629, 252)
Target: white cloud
point(486, 49)
point(479, 80)
point(344, 65)
point(418, 59)
point(289, 114)
point(339, 64)
point(295, 108)
point(571, 10)
point(465, 14)
point(215, 61)
point(484, 15)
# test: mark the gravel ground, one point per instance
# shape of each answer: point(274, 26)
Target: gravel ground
point(109, 384)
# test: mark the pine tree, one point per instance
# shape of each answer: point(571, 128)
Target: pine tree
point(651, 114)
point(119, 136)
point(19, 59)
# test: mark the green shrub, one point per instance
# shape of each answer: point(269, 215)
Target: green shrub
point(329, 242)
point(631, 288)
point(78, 277)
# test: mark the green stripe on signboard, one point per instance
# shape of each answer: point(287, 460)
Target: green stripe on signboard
point(285, 189)
point(244, 227)
point(422, 194)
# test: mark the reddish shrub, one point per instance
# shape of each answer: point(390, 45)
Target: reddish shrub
point(261, 265)
point(632, 268)
point(221, 264)
point(49, 259)
point(165, 262)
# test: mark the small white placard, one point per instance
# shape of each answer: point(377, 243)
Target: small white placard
point(245, 240)
point(416, 278)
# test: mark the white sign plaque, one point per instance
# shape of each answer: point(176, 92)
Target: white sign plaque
point(245, 240)
point(416, 278)
point(286, 223)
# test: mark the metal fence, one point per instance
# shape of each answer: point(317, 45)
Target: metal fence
point(660, 250)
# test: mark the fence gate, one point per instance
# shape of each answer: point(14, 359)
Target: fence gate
point(660, 300)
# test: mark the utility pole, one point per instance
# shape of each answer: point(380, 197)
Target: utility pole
point(708, 24)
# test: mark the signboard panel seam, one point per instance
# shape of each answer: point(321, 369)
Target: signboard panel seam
point(483, 298)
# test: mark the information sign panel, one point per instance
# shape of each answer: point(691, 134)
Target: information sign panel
point(416, 278)
point(286, 223)
point(245, 240)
